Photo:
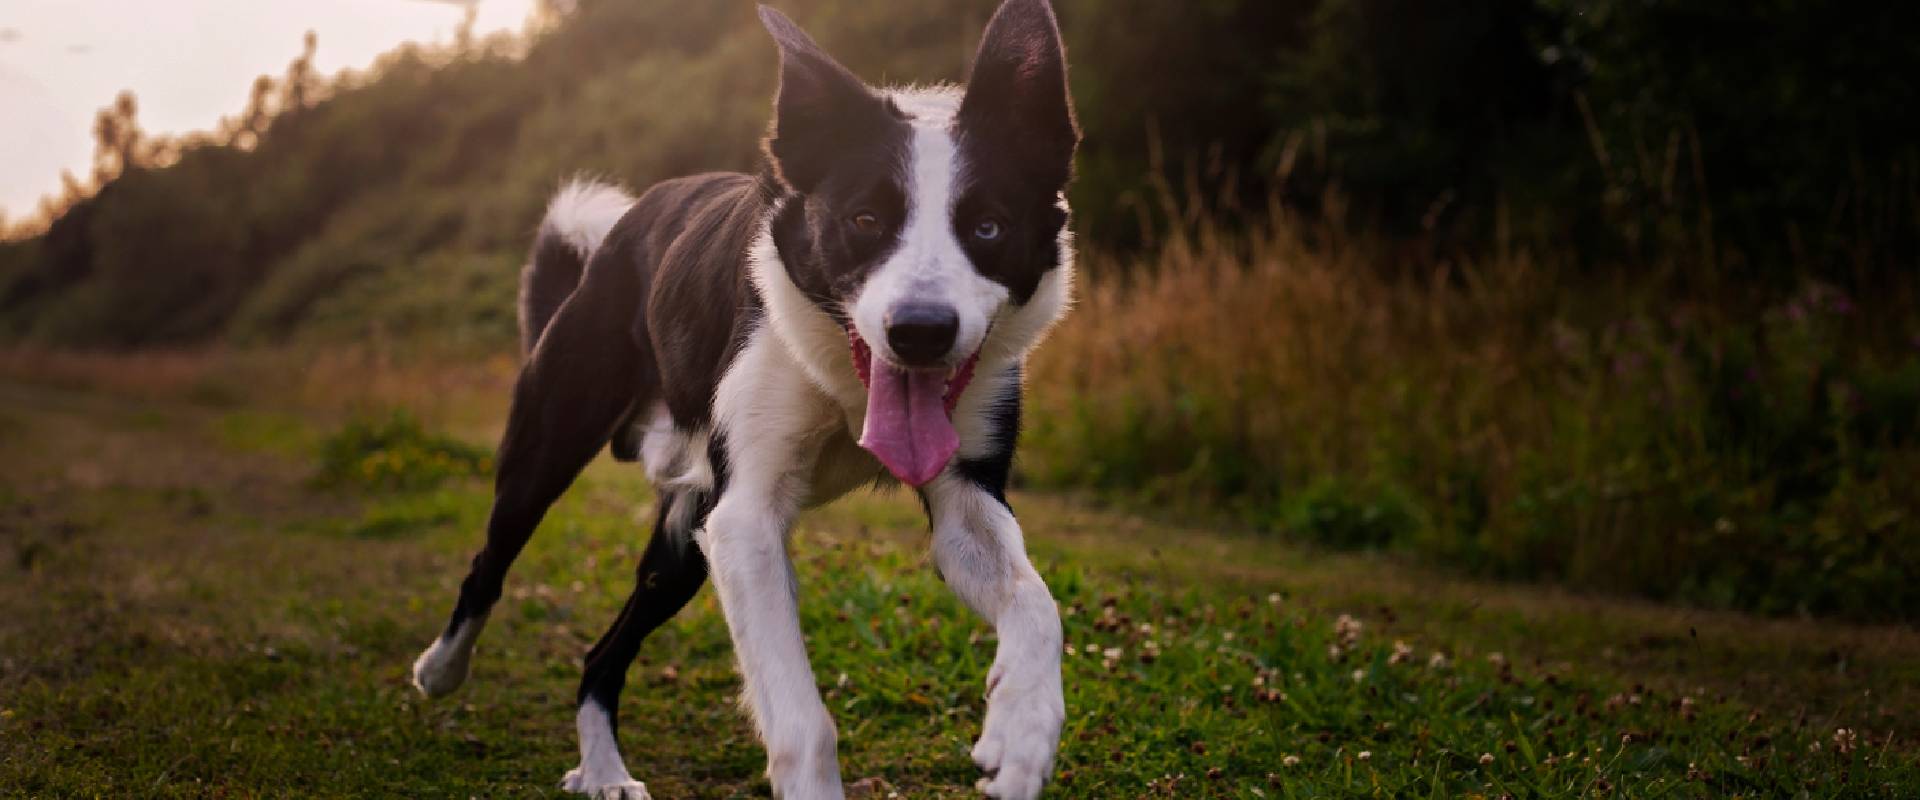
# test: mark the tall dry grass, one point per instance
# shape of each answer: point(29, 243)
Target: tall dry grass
point(1512, 417)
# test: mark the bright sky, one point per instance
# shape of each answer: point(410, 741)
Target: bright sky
point(191, 62)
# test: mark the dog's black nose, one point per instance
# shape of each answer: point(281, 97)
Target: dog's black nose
point(921, 333)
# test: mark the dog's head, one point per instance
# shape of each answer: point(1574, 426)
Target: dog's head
point(927, 224)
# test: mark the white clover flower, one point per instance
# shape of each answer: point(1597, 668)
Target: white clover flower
point(1844, 740)
point(1347, 630)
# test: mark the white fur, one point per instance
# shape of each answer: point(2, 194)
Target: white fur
point(980, 552)
point(1003, 333)
point(676, 461)
point(601, 774)
point(675, 458)
point(774, 420)
point(929, 264)
point(584, 211)
point(443, 667)
point(812, 338)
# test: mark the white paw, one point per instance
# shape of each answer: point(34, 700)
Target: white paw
point(441, 669)
point(604, 787)
point(1018, 741)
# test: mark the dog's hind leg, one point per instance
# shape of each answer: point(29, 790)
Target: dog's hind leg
point(670, 573)
point(582, 378)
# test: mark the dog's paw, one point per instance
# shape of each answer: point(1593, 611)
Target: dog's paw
point(604, 787)
point(441, 669)
point(1017, 743)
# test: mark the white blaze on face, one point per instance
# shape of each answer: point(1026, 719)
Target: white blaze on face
point(908, 424)
point(929, 264)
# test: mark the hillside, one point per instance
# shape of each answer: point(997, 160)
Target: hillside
point(1629, 138)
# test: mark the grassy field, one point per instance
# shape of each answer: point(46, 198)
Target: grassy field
point(185, 611)
point(1509, 417)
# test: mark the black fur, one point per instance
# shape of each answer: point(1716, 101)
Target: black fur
point(823, 115)
point(552, 272)
point(1017, 136)
point(992, 471)
point(654, 318)
point(840, 149)
point(671, 572)
point(1017, 109)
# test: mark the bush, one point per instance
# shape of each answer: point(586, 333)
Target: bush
point(396, 452)
point(1337, 513)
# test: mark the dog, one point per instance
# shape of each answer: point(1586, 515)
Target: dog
point(858, 311)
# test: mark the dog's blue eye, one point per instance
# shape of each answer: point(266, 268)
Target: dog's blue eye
point(987, 230)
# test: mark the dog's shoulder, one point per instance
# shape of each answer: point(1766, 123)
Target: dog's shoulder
point(691, 236)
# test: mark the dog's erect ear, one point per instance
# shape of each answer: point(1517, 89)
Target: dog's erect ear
point(1017, 93)
point(820, 107)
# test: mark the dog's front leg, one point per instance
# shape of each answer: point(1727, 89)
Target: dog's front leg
point(746, 546)
point(768, 419)
point(979, 550)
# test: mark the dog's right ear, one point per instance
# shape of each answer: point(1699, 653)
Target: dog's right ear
point(819, 109)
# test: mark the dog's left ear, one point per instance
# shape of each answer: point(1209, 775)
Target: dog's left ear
point(1017, 93)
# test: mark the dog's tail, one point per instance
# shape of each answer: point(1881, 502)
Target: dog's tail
point(578, 220)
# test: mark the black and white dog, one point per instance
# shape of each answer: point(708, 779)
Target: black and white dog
point(861, 308)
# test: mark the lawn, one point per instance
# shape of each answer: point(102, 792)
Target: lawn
point(186, 611)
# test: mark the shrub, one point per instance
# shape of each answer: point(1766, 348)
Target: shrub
point(396, 452)
point(1338, 513)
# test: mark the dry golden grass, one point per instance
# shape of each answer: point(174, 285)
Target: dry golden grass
point(1510, 416)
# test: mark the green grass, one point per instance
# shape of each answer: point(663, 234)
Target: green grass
point(198, 618)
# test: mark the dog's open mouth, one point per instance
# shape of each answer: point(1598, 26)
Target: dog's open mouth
point(909, 413)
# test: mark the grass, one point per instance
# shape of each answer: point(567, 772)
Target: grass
point(1510, 418)
point(191, 615)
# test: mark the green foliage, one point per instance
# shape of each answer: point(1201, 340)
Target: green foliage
point(1748, 132)
point(1429, 114)
point(1628, 133)
point(1338, 514)
point(396, 452)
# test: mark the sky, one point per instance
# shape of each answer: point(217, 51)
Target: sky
point(190, 62)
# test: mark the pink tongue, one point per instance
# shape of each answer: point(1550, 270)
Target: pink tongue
point(907, 426)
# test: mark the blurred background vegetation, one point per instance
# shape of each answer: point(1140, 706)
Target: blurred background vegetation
point(1614, 293)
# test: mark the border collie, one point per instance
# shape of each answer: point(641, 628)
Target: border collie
point(859, 311)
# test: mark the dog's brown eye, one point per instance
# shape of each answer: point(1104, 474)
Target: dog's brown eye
point(865, 222)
